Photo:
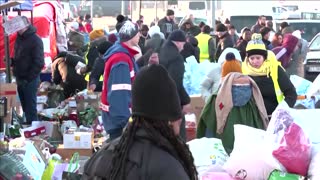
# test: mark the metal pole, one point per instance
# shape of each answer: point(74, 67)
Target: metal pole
point(156, 10)
point(140, 4)
point(123, 7)
point(7, 51)
point(91, 11)
point(213, 13)
point(131, 9)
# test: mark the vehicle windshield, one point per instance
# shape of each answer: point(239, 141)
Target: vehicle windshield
point(240, 22)
point(310, 29)
point(197, 21)
point(197, 5)
point(315, 44)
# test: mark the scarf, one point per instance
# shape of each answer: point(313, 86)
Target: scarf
point(224, 104)
point(265, 68)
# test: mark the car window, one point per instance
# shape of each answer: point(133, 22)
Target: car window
point(197, 21)
point(197, 5)
point(310, 29)
point(245, 21)
point(315, 44)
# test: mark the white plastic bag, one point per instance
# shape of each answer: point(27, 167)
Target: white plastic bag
point(250, 158)
point(208, 152)
point(314, 168)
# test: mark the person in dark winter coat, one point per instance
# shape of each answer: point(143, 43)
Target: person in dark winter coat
point(260, 24)
point(243, 41)
point(225, 40)
point(167, 24)
point(152, 49)
point(263, 67)
point(143, 38)
point(172, 60)
point(64, 73)
point(27, 64)
point(95, 84)
point(232, 31)
point(189, 28)
point(150, 147)
point(265, 33)
point(284, 53)
point(194, 42)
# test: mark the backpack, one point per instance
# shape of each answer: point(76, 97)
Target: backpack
point(98, 167)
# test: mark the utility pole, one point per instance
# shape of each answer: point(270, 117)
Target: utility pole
point(213, 13)
point(140, 4)
point(123, 7)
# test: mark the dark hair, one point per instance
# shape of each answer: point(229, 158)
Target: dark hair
point(104, 46)
point(284, 25)
point(80, 18)
point(227, 21)
point(262, 16)
point(206, 29)
point(157, 131)
point(231, 27)
point(87, 16)
point(144, 28)
point(264, 31)
point(201, 24)
point(120, 18)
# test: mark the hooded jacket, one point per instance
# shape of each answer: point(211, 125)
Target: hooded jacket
point(119, 72)
point(173, 61)
point(166, 27)
point(29, 56)
point(145, 160)
point(284, 52)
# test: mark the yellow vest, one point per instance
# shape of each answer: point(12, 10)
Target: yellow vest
point(203, 44)
point(87, 77)
point(274, 77)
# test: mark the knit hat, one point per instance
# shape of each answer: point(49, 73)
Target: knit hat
point(256, 46)
point(230, 56)
point(112, 38)
point(221, 28)
point(128, 30)
point(177, 35)
point(229, 65)
point(170, 12)
point(96, 33)
point(155, 95)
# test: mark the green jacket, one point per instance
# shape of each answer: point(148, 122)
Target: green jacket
point(246, 115)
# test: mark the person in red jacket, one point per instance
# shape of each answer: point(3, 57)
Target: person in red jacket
point(119, 73)
point(88, 23)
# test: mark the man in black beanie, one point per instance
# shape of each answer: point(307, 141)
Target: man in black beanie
point(173, 61)
point(167, 24)
point(225, 39)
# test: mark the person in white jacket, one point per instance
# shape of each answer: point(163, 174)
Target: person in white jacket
point(211, 83)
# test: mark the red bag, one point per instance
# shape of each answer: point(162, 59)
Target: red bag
point(294, 152)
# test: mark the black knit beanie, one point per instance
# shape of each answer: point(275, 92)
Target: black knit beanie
point(177, 35)
point(155, 95)
point(128, 30)
point(230, 56)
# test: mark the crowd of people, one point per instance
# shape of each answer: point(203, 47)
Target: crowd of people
point(139, 71)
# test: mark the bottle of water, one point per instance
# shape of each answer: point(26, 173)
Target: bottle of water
point(3, 77)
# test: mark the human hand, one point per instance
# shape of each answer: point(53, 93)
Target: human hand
point(154, 58)
point(92, 87)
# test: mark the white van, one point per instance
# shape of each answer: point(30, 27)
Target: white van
point(198, 8)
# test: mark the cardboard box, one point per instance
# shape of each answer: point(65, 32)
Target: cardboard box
point(9, 91)
point(197, 104)
point(67, 153)
point(78, 140)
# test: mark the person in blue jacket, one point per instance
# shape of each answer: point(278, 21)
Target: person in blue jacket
point(119, 73)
